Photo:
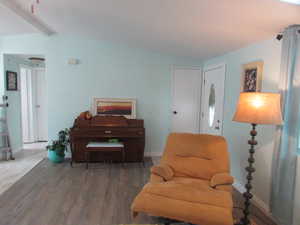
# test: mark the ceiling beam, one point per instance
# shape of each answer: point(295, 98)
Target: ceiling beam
point(27, 16)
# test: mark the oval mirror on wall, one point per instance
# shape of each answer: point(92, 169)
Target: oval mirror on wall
point(211, 105)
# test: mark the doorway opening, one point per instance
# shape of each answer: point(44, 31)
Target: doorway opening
point(27, 111)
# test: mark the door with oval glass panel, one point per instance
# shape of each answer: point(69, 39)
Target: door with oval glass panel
point(213, 99)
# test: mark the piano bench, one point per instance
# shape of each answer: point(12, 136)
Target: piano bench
point(103, 147)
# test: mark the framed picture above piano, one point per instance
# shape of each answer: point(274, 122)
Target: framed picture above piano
point(115, 107)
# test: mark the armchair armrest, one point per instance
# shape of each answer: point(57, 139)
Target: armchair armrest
point(163, 171)
point(221, 179)
point(156, 179)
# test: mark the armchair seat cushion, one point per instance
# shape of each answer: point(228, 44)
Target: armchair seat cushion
point(196, 183)
point(192, 201)
point(189, 193)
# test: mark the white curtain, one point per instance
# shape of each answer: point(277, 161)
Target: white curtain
point(287, 136)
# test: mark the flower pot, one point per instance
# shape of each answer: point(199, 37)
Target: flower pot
point(53, 157)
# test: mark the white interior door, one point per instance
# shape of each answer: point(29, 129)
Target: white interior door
point(213, 100)
point(27, 110)
point(41, 105)
point(186, 100)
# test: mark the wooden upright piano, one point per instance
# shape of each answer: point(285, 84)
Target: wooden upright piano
point(130, 132)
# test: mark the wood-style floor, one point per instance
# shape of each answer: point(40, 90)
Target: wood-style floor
point(60, 195)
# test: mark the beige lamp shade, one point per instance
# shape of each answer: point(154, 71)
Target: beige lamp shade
point(258, 108)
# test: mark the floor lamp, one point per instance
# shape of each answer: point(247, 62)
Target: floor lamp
point(255, 108)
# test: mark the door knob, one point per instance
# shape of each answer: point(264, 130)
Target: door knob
point(175, 112)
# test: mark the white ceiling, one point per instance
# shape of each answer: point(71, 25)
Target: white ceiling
point(195, 28)
point(11, 24)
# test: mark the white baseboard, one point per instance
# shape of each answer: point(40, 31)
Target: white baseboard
point(255, 200)
point(153, 154)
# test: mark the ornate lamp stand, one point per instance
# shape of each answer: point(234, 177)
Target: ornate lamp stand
point(250, 169)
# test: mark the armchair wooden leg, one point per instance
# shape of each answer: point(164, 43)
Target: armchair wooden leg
point(167, 221)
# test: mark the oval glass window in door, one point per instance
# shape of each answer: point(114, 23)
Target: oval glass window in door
point(211, 105)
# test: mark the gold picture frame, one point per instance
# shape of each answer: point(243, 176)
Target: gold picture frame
point(252, 76)
point(115, 107)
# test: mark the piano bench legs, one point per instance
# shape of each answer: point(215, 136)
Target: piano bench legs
point(87, 159)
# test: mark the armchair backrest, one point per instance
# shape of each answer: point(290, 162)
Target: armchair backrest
point(196, 155)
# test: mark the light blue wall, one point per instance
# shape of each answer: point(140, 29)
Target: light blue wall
point(237, 134)
point(105, 70)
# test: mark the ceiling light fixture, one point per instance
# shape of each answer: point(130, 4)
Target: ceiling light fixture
point(297, 2)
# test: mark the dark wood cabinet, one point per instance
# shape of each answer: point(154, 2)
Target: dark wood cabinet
point(130, 132)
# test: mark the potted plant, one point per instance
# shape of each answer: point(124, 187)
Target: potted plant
point(57, 149)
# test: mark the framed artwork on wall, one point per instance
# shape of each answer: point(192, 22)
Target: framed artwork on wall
point(252, 76)
point(11, 81)
point(115, 107)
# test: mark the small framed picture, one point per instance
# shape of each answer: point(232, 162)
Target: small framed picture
point(115, 107)
point(11, 81)
point(252, 76)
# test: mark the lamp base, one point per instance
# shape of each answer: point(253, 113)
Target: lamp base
point(251, 223)
point(250, 169)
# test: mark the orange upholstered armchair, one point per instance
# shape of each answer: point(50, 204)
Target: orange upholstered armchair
point(191, 183)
